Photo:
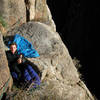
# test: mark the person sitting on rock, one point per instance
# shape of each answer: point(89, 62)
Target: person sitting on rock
point(20, 69)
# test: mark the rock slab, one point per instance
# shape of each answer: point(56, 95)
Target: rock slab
point(59, 74)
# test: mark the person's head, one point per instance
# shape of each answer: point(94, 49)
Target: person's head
point(13, 47)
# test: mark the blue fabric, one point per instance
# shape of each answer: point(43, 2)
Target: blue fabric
point(14, 75)
point(29, 74)
point(33, 73)
point(24, 47)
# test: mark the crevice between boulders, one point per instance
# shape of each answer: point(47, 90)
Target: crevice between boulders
point(30, 9)
point(27, 4)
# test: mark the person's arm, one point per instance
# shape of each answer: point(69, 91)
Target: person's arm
point(17, 70)
point(12, 63)
point(11, 60)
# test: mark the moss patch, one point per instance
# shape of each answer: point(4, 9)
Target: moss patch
point(4, 24)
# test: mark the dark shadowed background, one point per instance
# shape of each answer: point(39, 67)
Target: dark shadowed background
point(77, 22)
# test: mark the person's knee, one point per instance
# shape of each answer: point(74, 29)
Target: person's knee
point(14, 75)
point(27, 76)
point(29, 67)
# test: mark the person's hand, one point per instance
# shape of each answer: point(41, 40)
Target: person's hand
point(21, 56)
point(19, 61)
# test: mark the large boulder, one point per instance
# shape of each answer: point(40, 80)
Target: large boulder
point(13, 11)
point(16, 12)
point(5, 77)
point(61, 78)
point(43, 14)
point(38, 10)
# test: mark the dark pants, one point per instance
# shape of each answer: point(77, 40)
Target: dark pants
point(30, 75)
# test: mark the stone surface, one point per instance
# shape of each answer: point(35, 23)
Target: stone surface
point(59, 74)
point(43, 14)
point(16, 12)
point(13, 11)
point(60, 78)
point(30, 9)
point(5, 78)
point(2, 29)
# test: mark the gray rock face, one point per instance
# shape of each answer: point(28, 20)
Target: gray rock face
point(59, 74)
point(17, 12)
point(43, 14)
point(13, 11)
point(5, 78)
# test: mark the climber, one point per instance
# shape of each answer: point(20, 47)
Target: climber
point(21, 71)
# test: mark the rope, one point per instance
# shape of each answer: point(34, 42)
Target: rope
point(4, 87)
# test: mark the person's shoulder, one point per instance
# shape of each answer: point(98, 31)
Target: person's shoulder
point(8, 52)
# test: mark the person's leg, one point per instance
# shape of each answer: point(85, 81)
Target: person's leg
point(15, 78)
point(34, 75)
point(27, 76)
point(14, 75)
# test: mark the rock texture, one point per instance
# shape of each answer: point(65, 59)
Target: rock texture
point(16, 12)
point(2, 29)
point(13, 11)
point(59, 75)
point(43, 14)
point(5, 78)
